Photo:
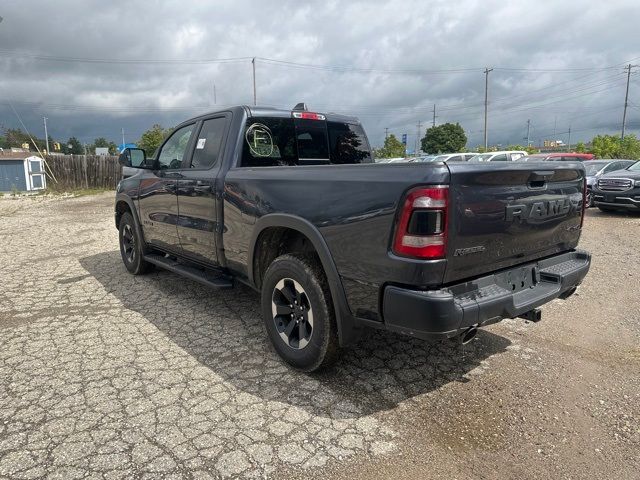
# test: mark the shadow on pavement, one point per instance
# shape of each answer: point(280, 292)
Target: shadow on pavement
point(223, 330)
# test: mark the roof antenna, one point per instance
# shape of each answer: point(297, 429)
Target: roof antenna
point(300, 107)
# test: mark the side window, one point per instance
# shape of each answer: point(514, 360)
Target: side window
point(348, 144)
point(175, 149)
point(455, 158)
point(500, 158)
point(269, 142)
point(208, 143)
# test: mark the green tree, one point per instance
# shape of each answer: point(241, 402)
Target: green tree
point(605, 146)
point(392, 148)
point(612, 146)
point(73, 147)
point(630, 147)
point(15, 137)
point(152, 138)
point(528, 149)
point(102, 142)
point(445, 138)
point(580, 147)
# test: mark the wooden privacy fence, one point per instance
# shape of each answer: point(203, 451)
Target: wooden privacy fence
point(80, 171)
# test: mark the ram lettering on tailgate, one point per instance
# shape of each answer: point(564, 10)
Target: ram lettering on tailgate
point(537, 210)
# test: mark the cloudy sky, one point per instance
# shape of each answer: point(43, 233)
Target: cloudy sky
point(94, 67)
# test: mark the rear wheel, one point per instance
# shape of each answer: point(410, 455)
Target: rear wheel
point(298, 313)
point(131, 246)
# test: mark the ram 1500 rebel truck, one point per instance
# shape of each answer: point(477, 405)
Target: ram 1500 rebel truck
point(291, 203)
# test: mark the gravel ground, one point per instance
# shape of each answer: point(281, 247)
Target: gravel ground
point(106, 375)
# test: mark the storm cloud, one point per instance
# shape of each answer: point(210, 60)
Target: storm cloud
point(95, 67)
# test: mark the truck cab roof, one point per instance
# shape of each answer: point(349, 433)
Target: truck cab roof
point(266, 111)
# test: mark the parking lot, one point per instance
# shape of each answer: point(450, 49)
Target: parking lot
point(106, 375)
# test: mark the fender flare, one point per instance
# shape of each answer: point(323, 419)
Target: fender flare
point(134, 211)
point(347, 332)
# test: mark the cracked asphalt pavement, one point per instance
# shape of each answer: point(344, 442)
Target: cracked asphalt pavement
point(106, 375)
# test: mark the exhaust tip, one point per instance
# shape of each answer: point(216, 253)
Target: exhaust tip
point(468, 335)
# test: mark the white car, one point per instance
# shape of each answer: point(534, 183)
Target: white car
point(503, 156)
point(455, 157)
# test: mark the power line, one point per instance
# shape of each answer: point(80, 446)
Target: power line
point(273, 61)
point(142, 61)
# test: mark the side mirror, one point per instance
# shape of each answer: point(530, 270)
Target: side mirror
point(133, 157)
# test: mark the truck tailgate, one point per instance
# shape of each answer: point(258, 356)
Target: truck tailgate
point(502, 215)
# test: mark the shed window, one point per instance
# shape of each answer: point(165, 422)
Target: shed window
point(35, 166)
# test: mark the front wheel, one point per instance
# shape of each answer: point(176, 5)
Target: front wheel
point(589, 199)
point(131, 246)
point(298, 312)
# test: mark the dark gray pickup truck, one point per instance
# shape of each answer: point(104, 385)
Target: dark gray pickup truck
point(292, 204)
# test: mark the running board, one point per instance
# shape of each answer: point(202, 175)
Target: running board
point(206, 277)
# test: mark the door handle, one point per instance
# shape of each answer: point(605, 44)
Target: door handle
point(201, 188)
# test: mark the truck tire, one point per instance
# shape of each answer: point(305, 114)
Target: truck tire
point(298, 312)
point(131, 246)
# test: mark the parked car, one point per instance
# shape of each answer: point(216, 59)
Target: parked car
point(291, 204)
point(503, 156)
point(619, 190)
point(559, 157)
point(424, 159)
point(596, 168)
point(455, 157)
point(398, 160)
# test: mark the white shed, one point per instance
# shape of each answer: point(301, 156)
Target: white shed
point(22, 174)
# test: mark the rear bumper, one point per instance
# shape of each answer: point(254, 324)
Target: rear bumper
point(435, 314)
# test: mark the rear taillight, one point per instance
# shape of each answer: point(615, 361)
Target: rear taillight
point(422, 228)
point(584, 200)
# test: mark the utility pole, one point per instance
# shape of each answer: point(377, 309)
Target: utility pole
point(569, 140)
point(84, 164)
point(253, 62)
point(486, 104)
point(386, 132)
point(123, 144)
point(626, 98)
point(415, 151)
point(528, 130)
point(46, 135)
point(433, 124)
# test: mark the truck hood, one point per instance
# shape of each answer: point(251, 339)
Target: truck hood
point(633, 175)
